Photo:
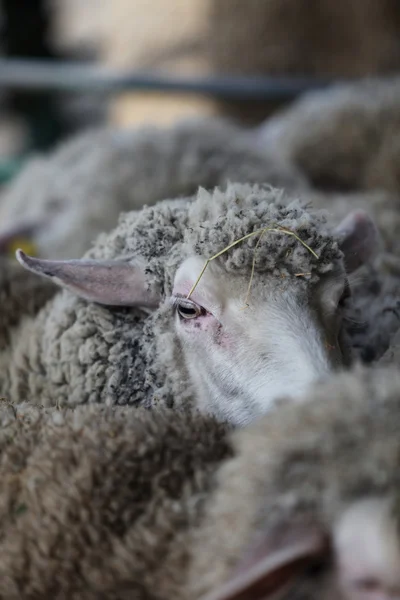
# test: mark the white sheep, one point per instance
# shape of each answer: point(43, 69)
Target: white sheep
point(267, 317)
point(61, 202)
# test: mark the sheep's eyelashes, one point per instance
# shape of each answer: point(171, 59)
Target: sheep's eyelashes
point(189, 310)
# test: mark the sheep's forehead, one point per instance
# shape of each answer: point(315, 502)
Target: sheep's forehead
point(214, 285)
point(219, 291)
point(209, 287)
point(219, 219)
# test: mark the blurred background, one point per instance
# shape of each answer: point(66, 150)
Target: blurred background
point(295, 44)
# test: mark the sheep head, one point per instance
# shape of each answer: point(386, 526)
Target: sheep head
point(243, 346)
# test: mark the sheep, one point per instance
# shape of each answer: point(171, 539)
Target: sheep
point(343, 138)
point(307, 507)
point(267, 317)
point(99, 502)
point(93, 499)
point(63, 201)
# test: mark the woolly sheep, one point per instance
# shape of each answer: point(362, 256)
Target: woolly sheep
point(345, 137)
point(308, 506)
point(233, 359)
point(63, 201)
point(93, 499)
point(113, 503)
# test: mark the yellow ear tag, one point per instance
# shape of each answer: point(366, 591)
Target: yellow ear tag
point(25, 244)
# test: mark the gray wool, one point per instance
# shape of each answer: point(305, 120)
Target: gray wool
point(345, 137)
point(94, 502)
point(80, 188)
point(75, 351)
point(143, 505)
point(303, 463)
point(245, 210)
point(392, 354)
point(383, 207)
point(375, 315)
point(22, 294)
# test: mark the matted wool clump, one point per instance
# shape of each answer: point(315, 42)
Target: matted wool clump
point(238, 211)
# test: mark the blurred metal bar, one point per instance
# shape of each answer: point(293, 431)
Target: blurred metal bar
point(65, 76)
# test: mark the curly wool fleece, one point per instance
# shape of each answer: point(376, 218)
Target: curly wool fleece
point(76, 351)
point(64, 198)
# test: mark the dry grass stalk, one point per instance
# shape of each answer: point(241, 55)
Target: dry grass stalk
point(261, 232)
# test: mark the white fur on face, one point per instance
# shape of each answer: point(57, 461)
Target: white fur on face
point(367, 545)
point(242, 359)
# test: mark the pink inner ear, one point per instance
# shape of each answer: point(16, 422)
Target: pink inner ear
point(113, 283)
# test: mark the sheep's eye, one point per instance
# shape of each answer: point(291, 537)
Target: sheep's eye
point(189, 310)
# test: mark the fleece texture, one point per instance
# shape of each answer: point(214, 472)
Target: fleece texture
point(303, 463)
point(79, 190)
point(375, 313)
point(21, 294)
point(343, 138)
point(109, 503)
point(75, 351)
point(375, 317)
point(94, 501)
point(384, 208)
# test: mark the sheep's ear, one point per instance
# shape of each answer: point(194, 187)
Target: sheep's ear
point(359, 239)
point(113, 283)
point(272, 565)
